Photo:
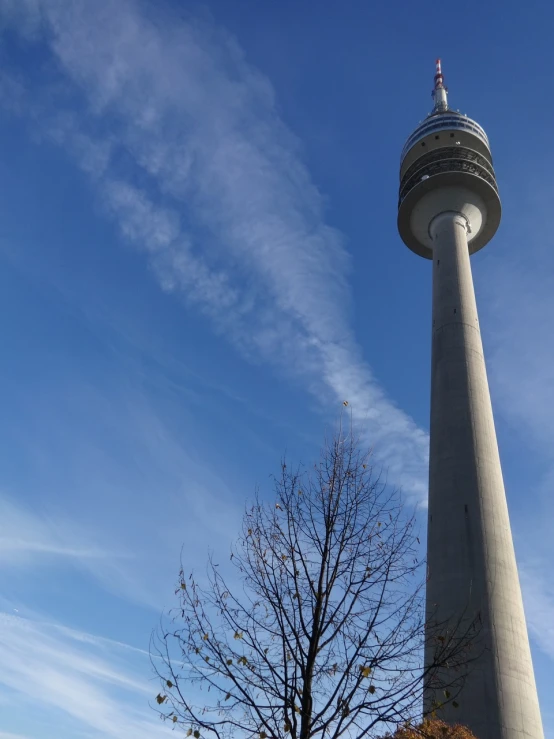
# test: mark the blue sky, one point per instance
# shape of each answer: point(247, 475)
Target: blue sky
point(199, 263)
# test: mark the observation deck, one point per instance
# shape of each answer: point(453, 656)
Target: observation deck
point(446, 164)
point(448, 121)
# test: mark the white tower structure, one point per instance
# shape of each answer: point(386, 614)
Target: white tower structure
point(448, 209)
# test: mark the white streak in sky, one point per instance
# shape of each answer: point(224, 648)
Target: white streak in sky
point(90, 680)
point(184, 142)
point(25, 536)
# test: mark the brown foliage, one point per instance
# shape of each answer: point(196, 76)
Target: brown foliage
point(432, 729)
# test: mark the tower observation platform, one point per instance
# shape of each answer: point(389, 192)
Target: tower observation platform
point(449, 208)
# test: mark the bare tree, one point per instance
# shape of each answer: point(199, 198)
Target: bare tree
point(324, 635)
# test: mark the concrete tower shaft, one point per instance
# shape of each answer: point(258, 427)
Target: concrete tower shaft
point(472, 565)
point(448, 208)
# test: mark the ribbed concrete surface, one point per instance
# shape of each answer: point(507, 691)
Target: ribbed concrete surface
point(470, 551)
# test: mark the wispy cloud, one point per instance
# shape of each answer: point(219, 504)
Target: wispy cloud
point(199, 171)
point(519, 307)
point(123, 503)
point(26, 536)
point(539, 604)
point(84, 679)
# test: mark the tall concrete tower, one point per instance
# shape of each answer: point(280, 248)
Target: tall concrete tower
point(448, 209)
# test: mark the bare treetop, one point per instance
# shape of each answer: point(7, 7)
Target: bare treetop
point(325, 635)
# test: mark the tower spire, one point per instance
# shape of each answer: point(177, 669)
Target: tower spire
point(440, 92)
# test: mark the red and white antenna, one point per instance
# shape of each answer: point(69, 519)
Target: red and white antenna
point(438, 75)
point(440, 91)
